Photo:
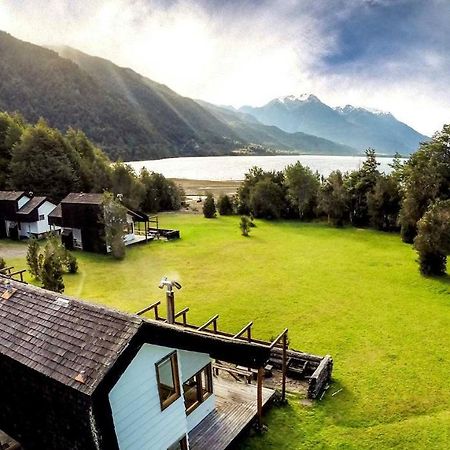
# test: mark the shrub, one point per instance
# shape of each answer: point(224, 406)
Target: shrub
point(209, 207)
point(433, 239)
point(51, 266)
point(2, 263)
point(244, 225)
point(225, 205)
point(71, 263)
point(33, 257)
point(114, 218)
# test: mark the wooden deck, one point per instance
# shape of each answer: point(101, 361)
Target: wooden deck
point(235, 411)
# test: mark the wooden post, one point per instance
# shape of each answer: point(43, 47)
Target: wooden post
point(259, 394)
point(283, 386)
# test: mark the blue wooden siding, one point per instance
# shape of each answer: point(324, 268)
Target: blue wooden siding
point(139, 422)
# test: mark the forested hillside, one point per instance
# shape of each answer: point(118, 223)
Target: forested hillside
point(38, 82)
point(129, 116)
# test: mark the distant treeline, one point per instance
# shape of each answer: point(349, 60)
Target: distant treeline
point(40, 159)
point(412, 199)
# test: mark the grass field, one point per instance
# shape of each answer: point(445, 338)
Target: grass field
point(355, 294)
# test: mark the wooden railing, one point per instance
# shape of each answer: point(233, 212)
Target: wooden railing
point(154, 307)
point(7, 271)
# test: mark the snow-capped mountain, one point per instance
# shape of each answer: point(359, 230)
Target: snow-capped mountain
point(354, 126)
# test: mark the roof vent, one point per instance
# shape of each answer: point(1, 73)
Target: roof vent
point(81, 377)
point(9, 291)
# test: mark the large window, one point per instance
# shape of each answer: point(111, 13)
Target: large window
point(168, 381)
point(197, 389)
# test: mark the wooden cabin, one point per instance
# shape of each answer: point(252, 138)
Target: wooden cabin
point(78, 376)
point(23, 215)
point(79, 215)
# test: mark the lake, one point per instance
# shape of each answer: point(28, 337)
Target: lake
point(234, 167)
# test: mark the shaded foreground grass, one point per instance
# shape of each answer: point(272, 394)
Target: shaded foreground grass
point(355, 294)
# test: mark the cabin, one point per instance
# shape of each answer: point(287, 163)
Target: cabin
point(23, 216)
point(78, 376)
point(79, 215)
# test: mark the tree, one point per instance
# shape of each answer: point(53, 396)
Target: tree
point(244, 225)
point(302, 188)
point(115, 219)
point(209, 206)
point(44, 163)
point(94, 166)
point(433, 239)
point(225, 205)
point(11, 129)
point(33, 257)
point(160, 194)
point(50, 266)
point(333, 199)
point(267, 199)
point(250, 192)
point(359, 184)
point(384, 203)
point(125, 183)
point(426, 179)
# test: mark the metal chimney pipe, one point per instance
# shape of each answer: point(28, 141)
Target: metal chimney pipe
point(170, 297)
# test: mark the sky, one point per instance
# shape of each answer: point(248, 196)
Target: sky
point(390, 55)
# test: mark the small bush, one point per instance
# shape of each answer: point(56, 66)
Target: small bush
point(209, 207)
point(2, 263)
point(225, 205)
point(244, 225)
point(71, 263)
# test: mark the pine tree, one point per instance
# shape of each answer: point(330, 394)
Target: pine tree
point(33, 257)
point(209, 207)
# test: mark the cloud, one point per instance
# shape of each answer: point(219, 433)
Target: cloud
point(386, 54)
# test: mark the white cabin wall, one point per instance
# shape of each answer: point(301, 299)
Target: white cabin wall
point(42, 226)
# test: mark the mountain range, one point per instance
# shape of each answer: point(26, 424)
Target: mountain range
point(356, 127)
point(132, 117)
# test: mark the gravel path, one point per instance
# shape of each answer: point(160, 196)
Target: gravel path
point(12, 250)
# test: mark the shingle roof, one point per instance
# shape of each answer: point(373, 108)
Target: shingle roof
point(61, 337)
point(11, 195)
point(31, 205)
point(89, 198)
point(57, 212)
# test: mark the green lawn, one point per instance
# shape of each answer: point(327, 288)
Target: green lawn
point(355, 294)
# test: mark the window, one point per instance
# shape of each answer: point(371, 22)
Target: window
point(197, 389)
point(180, 445)
point(168, 381)
point(41, 217)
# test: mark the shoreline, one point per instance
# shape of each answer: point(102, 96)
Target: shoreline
point(202, 187)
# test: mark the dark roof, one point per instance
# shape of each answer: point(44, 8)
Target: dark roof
point(90, 199)
point(61, 337)
point(138, 216)
point(31, 205)
point(57, 212)
point(11, 195)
